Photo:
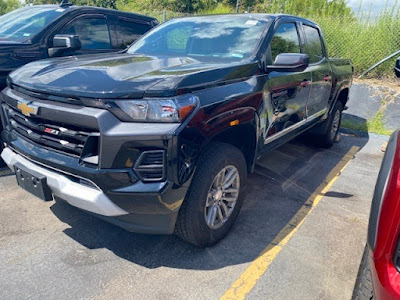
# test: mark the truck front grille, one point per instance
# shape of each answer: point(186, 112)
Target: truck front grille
point(62, 137)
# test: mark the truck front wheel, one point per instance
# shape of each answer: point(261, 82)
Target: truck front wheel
point(214, 197)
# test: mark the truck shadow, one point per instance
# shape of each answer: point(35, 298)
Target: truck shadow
point(279, 188)
point(5, 172)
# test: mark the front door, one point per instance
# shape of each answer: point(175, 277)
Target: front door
point(93, 32)
point(286, 92)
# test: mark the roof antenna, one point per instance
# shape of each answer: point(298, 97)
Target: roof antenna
point(65, 3)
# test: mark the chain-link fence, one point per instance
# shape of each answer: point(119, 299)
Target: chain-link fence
point(165, 15)
point(364, 39)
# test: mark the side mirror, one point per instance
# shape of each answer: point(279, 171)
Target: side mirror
point(290, 62)
point(63, 42)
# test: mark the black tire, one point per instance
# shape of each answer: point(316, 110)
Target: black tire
point(324, 132)
point(191, 225)
point(363, 289)
point(397, 73)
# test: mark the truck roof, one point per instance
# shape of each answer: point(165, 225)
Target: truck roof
point(256, 15)
point(108, 10)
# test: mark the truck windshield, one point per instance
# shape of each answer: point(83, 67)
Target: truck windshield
point(22, 24)
point(213, 38)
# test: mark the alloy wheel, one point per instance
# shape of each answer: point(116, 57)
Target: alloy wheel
point(222, 197)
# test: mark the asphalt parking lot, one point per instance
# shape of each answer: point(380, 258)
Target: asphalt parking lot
point(300, 235)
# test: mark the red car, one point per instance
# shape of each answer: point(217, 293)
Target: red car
point(379, 273)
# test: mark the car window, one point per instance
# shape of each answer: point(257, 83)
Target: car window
point(22, 24)
point(93, 32)
point(313, 44)
point(285, 40)
point(204, 38)
point(129, 31)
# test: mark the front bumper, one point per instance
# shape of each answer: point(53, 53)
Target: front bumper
point(152, 210)
point(87, 198)
point(110, 189)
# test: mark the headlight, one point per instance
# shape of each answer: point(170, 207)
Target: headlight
point(154, 110)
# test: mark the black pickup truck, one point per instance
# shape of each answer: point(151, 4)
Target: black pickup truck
point(160, 139)
point(36, 32)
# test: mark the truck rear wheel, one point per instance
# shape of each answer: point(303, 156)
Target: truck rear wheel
point(214, 197)
point(327, 131)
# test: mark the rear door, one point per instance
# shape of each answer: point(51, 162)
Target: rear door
point(129, 30)
point(288, 90)
point(320, 71)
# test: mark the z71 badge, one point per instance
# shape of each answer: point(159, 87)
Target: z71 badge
point(51, 131)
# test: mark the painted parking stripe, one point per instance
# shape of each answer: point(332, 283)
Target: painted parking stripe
point(246, 282)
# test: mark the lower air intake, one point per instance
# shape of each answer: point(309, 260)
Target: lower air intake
point(150, 166)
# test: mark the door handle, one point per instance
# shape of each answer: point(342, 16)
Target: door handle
point(327, 78)
point(305, 83)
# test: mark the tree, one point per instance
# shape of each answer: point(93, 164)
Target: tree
point(8, 5)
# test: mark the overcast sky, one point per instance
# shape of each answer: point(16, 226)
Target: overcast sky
point(375, 5)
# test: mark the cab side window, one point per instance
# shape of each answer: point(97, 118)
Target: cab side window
point(285, 40)
point(93, 33)
point(313, 44)
point(129, 31)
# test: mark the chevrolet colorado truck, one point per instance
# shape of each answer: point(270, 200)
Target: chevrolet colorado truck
point(159, 139)
point(42, 31)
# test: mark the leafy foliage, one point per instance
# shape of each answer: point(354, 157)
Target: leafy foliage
point(306, 7)
point(8, 5)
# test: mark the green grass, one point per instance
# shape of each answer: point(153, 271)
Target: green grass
point(219, 9)
point(375, 125)
point(350, 125)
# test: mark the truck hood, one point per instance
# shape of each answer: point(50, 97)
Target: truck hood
point(123, 75)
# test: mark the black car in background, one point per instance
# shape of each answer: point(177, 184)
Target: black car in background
point(397, 68)
point(37, 32)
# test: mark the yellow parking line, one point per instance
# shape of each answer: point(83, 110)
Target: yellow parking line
point(246, 282)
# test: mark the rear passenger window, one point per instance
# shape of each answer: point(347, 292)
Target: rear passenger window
point(313, 44)
point(93, 33)
point(129, 31)
point(285, 40)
